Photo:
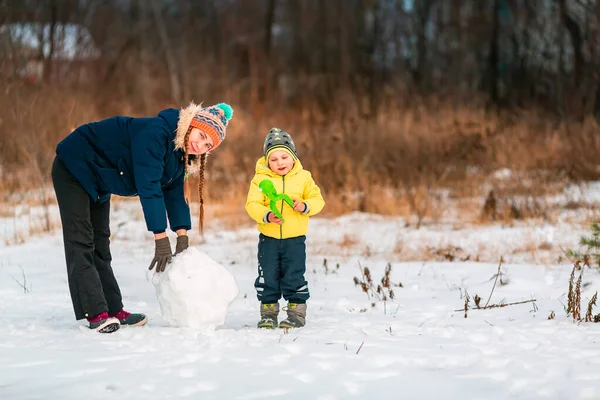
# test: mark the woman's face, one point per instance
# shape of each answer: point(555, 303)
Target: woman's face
point(199, 142)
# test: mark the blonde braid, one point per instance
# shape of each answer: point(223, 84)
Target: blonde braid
point(201, 192)
point(186, 185)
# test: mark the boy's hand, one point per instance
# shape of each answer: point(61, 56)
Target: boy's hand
point(299, 205)
point(273, 219)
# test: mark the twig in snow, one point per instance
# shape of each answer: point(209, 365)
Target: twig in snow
point(535, 307)
point(282, 335)
point(360, 347)
point(493, 287)
point(24, 284)
point(487, 323)
point(500, 305)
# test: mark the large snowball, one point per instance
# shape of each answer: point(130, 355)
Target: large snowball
point(195, 291)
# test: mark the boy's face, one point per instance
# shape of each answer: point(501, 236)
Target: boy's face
point(281, 162)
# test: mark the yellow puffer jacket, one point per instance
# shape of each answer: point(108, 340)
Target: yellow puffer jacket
point(298, 184)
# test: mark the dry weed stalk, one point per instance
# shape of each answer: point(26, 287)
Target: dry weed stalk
point(574, 296)
point(570, 295)
point(477, 300)
point(381, 292)
point(577, 298)
point(552, 315)
point(588, 315)
point(328, 271)
point(466, 303)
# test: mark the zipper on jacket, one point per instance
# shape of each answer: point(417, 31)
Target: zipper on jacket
point(282, 201)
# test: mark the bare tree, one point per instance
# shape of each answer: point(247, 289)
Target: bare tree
point(169, 55)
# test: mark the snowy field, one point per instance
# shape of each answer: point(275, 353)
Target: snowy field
point(415, 346)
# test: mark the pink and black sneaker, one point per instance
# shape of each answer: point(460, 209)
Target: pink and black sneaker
point(126, 318)
point(102, 323)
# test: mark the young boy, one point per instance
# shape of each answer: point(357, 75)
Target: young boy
point(281, 246)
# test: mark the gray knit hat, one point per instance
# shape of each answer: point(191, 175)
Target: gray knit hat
point(279, 139)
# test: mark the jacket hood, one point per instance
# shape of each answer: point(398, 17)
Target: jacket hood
point(179, 121)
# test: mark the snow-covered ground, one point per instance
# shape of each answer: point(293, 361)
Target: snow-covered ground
point(415, 346)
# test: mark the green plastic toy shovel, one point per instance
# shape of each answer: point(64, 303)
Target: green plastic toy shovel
point(266, 186)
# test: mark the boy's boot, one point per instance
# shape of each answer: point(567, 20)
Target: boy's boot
point(127, 318)
point(268, 315)
point(103, 323)
point(296, 316)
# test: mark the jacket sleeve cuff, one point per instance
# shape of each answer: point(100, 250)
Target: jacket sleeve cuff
point(306, 209)
point(266, 217)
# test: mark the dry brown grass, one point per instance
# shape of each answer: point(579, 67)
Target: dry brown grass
point(229, 213)
point(348, 241)
point(391, 164)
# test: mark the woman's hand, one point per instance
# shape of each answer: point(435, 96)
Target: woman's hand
point(183, 242)
point(162, 254)
point(299, 205)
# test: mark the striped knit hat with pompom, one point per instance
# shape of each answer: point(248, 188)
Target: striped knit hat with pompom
point(213, 121)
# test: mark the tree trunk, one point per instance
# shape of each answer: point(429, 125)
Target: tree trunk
point(494, 53)
point(597, 61)
point(576, 41)
point(560, 82)
point(268, 66)
point(423, 9)
point(169, 56)
point(143, 79)
point(47, 74)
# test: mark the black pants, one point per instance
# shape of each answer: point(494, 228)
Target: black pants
point(86, 235)
point(281, 268)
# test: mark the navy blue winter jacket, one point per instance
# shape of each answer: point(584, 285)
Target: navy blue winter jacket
point(132, 157)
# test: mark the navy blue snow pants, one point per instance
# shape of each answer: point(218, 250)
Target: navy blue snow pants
point(281, 268)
